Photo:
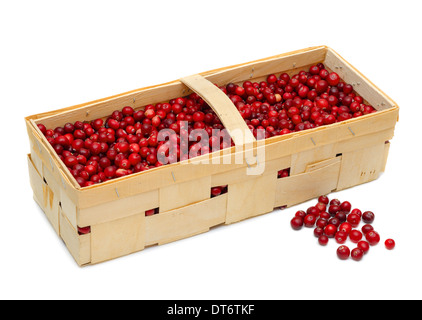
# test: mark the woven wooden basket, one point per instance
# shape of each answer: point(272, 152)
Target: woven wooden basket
point(321, 160)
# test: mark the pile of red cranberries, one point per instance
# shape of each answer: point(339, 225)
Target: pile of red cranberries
point(127, 141)
point(336, 220)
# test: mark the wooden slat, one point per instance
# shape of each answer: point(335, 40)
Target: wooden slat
point(79, 245)
point(185, 222)
point(116, 238)
point(302, 187)
point(251, 197)
point(361, 165)
point(362, 85)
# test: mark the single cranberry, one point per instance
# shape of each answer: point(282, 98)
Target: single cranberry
point(390, 244)
point(325, 215)
point(357, 254)
point(346, 206)
point(346, 227)
point(357, 211)
point(321, 207)
point(296, 223)
point(367, 228)
point(318, 232)
point(335, 202)
point(355, 236)
point(330, 230)
point(333, 209)
point(333, 79)
point(323, 199)
point(313, 210)
point(323, 240)
point(343, 252)
point(353, 219)
point(301, 214)
point(84, 230)
point(321, 223)
point(373, 238)
point(341, 216)
point(364, 246)
point(334, 221)
point(309, 220)
point(341, 237)
point(150, 212)
point(368, 217)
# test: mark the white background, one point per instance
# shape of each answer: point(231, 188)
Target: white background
point(56, 54)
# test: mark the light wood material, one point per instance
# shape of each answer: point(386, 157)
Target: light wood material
point(321, 160)
point(318, 180)
point(185, 222)
point(250, 198)
point(79, 245)
point(117, 238)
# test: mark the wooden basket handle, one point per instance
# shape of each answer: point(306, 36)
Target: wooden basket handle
point(223, 107)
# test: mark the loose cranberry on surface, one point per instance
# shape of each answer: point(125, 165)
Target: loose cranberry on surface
point(296, 223)
point(373, 238)
point(309, 220)
point(368, 217)
point(323, 240)
point(353, 219)
point(364, 246)
point(390, 244)
point(346, 206)
point(343, 252)
point(357, 254)
point(323, 199)
point(366, 228)
point(330, 230)
point(355, 236)
point(341, 237)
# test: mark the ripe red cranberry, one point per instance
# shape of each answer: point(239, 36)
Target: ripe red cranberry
point(84, 230)
point(321, 207)
point(325, 215)
point(314, 211)
point(343, 252)
point(390, 244)
point(341, 237)
point(296, 223)
point(364, 246)
point(333, 79)
point(323, 240)
point(367, 228)
point(373, 238)
point(357, 254)
point(309, 220)
point(346, 227)
point(333, 209)
point(301, 214)
point(335, 202)
point(330, 230)
point(368, 217)
point(323, 199)
point(357, 211)
point(353, 219)
point(318, 232)
point(321, 223)
point(346, 206)
point(355, 236)
point(341, 216)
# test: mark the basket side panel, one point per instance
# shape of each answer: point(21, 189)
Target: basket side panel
point(185, 222)
point(117, 238)
point(251, 197)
